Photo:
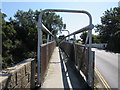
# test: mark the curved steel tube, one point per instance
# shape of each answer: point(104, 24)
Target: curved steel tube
point(39, 25)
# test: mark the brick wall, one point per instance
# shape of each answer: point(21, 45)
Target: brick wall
point(21, 75)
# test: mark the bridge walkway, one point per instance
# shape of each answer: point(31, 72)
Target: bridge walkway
point(62, 73)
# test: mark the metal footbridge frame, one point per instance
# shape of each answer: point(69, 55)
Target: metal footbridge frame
point(41, 27)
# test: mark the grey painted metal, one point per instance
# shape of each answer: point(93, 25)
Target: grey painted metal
point(40, 26)
point(39, 55)
point(86, 39)
point(48, 36)
point(46, 30)
point(51, 37)
point(70, 11)
point(89, 27)
point(90, 61)
point(68, 34)
point(52, 32)
point(74, 38)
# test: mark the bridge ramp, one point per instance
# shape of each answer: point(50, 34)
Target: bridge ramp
point(62, 73)
point(53, 77)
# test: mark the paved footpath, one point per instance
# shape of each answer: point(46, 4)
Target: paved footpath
point(62, 73)
point(53, 78)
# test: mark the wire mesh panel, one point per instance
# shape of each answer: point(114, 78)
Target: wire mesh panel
point(46, 53)
point(80, 55)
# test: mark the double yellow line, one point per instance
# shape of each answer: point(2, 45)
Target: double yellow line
point(102, 79)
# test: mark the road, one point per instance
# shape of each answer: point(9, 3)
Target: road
point(107, 65)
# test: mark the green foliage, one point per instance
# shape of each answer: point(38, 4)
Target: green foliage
point(58, 40)
point(95, 38)
point(83, 37)
point(109, 30)
point(53, 22)
point(19, 35)
point(61, 37)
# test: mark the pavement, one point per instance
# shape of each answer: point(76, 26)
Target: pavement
point(107, 65)
point(53, 78)
point(63, 74)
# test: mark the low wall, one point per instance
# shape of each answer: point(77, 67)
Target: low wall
point(21, 75)
point(68, 48)
point(81, 59)
point(78, 54)
point(46, 53)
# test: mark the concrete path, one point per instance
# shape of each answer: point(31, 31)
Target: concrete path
point(62, 74)
point(53, 78)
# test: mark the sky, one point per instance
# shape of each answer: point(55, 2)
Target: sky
point(73, 21)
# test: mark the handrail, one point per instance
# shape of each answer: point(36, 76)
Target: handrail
point(40, 26)
point(82, 30)
point(63, 10)
point(52, 32)
point(68, 33)
point(89, 27)
point(47, 31)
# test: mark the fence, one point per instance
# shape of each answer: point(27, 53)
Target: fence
point(46, 53)
point(79, 55)
point(87, 28)
point(22, 75)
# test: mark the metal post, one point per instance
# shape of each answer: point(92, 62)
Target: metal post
point(90, 69)
point(39, 25)
point(69, 39)
point(47, 48)
point(39, 55)
point(52, 32)
point(74, 38)
point(68, 34)
point(48, 36)
point(89, 27)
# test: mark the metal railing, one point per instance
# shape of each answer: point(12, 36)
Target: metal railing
point(68, 34)
point(40, 42)
point(88, 28)
point(52, 32)
point(40, 26)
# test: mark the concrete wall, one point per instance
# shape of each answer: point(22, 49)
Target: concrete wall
point(21, 75)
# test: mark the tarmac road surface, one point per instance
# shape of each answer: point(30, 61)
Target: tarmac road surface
point(108, 66)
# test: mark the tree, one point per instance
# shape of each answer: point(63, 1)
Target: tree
point(8, 44)
point(109, 30)
point(51, 20)
point(61, 37)
point(95, 38)
point(83, 37)
point(19, 35)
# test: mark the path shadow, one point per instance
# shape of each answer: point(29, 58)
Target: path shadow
point(71, 76)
